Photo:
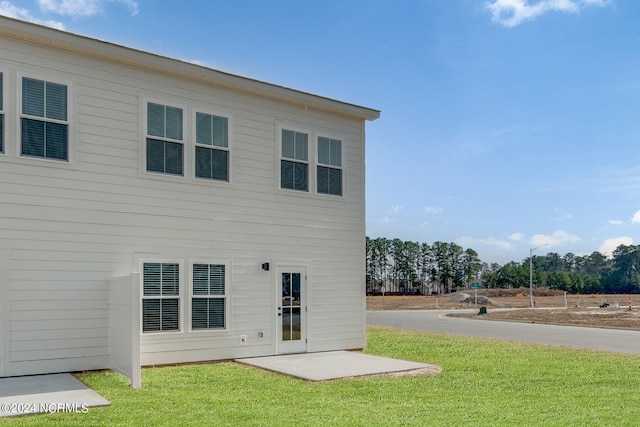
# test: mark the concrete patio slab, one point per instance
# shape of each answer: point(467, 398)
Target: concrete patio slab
point(46, 394)
point(337, 364)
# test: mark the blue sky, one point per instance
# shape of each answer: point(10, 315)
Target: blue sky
point(506, 124)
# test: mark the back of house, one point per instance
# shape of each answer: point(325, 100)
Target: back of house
point(154, 211)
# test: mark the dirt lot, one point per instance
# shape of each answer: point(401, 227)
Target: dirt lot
point(581, 310)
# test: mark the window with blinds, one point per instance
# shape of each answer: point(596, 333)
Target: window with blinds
point(1, 112)
point(294, 163)
point(212, 147)
point(44, 123)
point(164, 142)
point(329, 168)
point(208, 299)
point(160, 297)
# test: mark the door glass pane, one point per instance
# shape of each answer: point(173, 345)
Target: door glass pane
point(291, 323)
point(286, 323)
point(295, 324)
point(291, 309)
point(286, 289)
point(295, 288)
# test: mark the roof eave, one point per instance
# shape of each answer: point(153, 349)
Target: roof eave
point(86, 46)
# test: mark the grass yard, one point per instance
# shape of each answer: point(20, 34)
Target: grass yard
point(483, 382)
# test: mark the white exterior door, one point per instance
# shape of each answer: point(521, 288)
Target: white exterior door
point(291, 310)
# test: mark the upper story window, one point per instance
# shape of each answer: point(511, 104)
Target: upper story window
point(294, 162)
point(212, 147)
point(329, 169)
point(44, 123)
point(1, 112)
point(160, 297)
point(164, 142)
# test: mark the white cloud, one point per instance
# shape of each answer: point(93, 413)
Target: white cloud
point(635, 219)
point(391, 214)
point(395, 210)
point(564, 217)
point(82, 7)
point(511, 13)
point(609, 245)
point(8, 9)
point(616, 222)
point(557, 238)
point(432, 209)
point(468, 241)
point(516, 237)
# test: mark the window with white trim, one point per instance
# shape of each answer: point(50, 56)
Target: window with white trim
point(329, 168)
point(294, 162)
point(160, 297)
point(44, 125)
point(1, 112)
point(164, 140)
point(212, 147)
point(208, 298)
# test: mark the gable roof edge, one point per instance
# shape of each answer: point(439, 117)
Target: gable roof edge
point(50, 37)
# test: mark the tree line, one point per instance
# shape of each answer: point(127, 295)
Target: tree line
point(406, 267)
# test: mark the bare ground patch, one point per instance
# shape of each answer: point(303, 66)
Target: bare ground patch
point(606, 311)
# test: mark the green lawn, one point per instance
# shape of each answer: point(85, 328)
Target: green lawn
point(483, 382)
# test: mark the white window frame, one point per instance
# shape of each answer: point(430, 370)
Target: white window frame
point(228, 148)
point(68, 122)
point(309, 162)
point(319, 135)
point(312, 159)
point(225, 297)
point(182, 142)
point(180, 296)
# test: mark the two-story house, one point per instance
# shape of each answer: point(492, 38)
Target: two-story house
point(154, 211)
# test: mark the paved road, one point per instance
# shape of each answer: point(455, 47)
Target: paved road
point(615, 340)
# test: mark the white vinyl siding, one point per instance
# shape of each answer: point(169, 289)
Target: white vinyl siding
point(160, 297)
point(212, 147)
point(329, 169)
point(208, 299)
point(294, 164)
point(164, 142)
point(44, 126)
point(101, 212)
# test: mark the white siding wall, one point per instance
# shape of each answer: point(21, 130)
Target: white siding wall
point(67, 229)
